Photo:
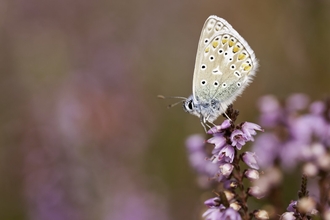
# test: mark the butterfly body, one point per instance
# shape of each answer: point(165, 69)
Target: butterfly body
point(225, 65)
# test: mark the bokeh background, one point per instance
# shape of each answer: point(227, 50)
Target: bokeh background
point(83, 135)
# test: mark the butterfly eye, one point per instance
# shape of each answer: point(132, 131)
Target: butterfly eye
point(211, 58)
point(203, 66)
point(188, 106)
point(206, 41)
point(216, 83)
point(224, 85)
point(238, 84)
point(220, 51)
point(232, 66)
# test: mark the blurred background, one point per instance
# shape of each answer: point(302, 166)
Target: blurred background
point(83, 135)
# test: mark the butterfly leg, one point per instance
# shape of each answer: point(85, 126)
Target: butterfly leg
point(204, 123)
point(227, 116)
point(214, 125)
point(225, 109)
point(204, 126)
point(207, 121)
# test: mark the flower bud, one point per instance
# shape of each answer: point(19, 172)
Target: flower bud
point(287, 216)
point(251, 160)
point(226, 169)
point(324, 162)
point(229, 195)
point(230, 184)
point(306, 205)
point(235, 206)
point(252, 174)
point(261, 214)
point(326, 214)
point(256, 192)
point(310, 170)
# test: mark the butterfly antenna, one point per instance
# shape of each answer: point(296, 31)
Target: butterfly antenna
point(172, 97)
point(174, 104)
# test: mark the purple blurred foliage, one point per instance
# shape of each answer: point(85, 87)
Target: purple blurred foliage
point(292, 130)
point(85, 125)
point(77, 78)
point(195, 145)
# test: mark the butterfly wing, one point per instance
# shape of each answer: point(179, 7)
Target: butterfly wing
point(224, 66)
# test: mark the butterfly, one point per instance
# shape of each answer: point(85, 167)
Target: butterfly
point(225, 65)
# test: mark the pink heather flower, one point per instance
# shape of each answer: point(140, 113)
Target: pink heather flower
point(231, 214)
point(249, 129)
point(213, 213)
point(219, 141)
point(250, 159)
point(225, 124)
point(292, 205)
point(238, 139)
point(221, 213)
point(212, 202)
point(215, 208)
point(226, 154)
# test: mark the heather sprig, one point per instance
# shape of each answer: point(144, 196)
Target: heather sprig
point(228, 153)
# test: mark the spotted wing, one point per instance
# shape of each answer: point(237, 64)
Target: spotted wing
point(225, 63)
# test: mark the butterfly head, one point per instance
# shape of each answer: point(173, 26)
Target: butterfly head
point(189, 106)
point(206, 111)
